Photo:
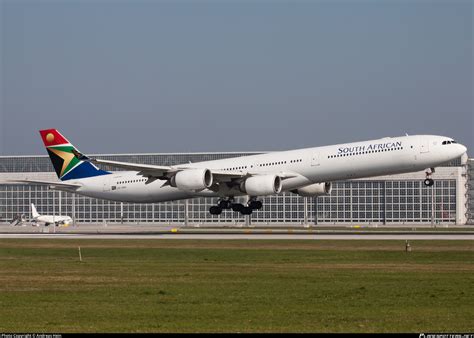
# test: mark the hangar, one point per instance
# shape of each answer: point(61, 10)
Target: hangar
point(394, 199)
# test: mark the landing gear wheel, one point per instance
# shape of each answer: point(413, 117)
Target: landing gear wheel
point(237, 207)
point(246, 211)
point(428, 182)
point(215, 210)
point(224, 204)
point(256, 205)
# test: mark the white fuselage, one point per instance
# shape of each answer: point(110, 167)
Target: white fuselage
point(49, 219)
point(310, 165)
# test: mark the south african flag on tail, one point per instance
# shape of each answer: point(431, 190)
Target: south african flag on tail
point(65, 162)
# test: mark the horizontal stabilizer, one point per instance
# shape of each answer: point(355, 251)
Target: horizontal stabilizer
point(52, 185)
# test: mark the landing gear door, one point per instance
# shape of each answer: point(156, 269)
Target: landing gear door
point(315, 161)
point(424, 146)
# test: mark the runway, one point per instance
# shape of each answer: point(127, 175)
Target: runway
point(249, 236)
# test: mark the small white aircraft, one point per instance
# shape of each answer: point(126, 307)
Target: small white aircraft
point(305, 172)
point(49, 219)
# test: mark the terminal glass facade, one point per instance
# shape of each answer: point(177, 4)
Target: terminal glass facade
point(470, 193)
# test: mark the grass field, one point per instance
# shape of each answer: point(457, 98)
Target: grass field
point(236, 286)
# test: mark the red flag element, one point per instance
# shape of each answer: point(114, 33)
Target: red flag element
point(52, 137)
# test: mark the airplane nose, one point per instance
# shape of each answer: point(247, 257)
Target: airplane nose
point(462, 149)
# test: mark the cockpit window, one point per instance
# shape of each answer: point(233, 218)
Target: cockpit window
point(449, 142)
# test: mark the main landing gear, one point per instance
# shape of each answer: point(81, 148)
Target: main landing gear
point(429, 182)
point(226, 204)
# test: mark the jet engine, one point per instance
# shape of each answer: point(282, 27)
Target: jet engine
point(314, 190)
point(261, 185)
point(192, 180)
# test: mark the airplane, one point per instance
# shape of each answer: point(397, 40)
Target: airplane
point(305, 172)
point(49, 219)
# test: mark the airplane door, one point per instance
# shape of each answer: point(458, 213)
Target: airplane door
point(106, 186)
point(424, 146)
point(315, 160)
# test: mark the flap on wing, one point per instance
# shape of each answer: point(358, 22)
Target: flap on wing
point(221, 175)
point(52, 185)
point(224, 176)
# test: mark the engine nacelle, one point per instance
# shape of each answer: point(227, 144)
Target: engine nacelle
point(192, 180)
point(261, 185)
point(314, 190)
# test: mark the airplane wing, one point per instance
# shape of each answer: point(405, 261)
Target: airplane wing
point(155, 171)
point(165, 172)
point(51, 185)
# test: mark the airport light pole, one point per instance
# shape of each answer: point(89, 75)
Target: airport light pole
point(186, 213)
point(247, 217)
point(316, 208)
point(60, 202)
point(54, 211)
point(74, 209)
point(305, 204)
point(432, 205)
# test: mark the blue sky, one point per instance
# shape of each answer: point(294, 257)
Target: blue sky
point(185, 76)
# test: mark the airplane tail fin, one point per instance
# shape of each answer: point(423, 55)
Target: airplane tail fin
point(34, 212)
point(64, 157)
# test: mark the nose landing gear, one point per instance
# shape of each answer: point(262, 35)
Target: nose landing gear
point(429, 182)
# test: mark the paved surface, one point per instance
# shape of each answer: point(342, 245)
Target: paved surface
point(249, 236)
point(226, 231)
point(138, 228)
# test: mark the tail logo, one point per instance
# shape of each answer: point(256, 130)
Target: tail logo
point(63, 156)
point(60, 151)
point(50, 138)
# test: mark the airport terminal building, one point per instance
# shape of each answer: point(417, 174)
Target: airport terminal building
point(395, 199)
